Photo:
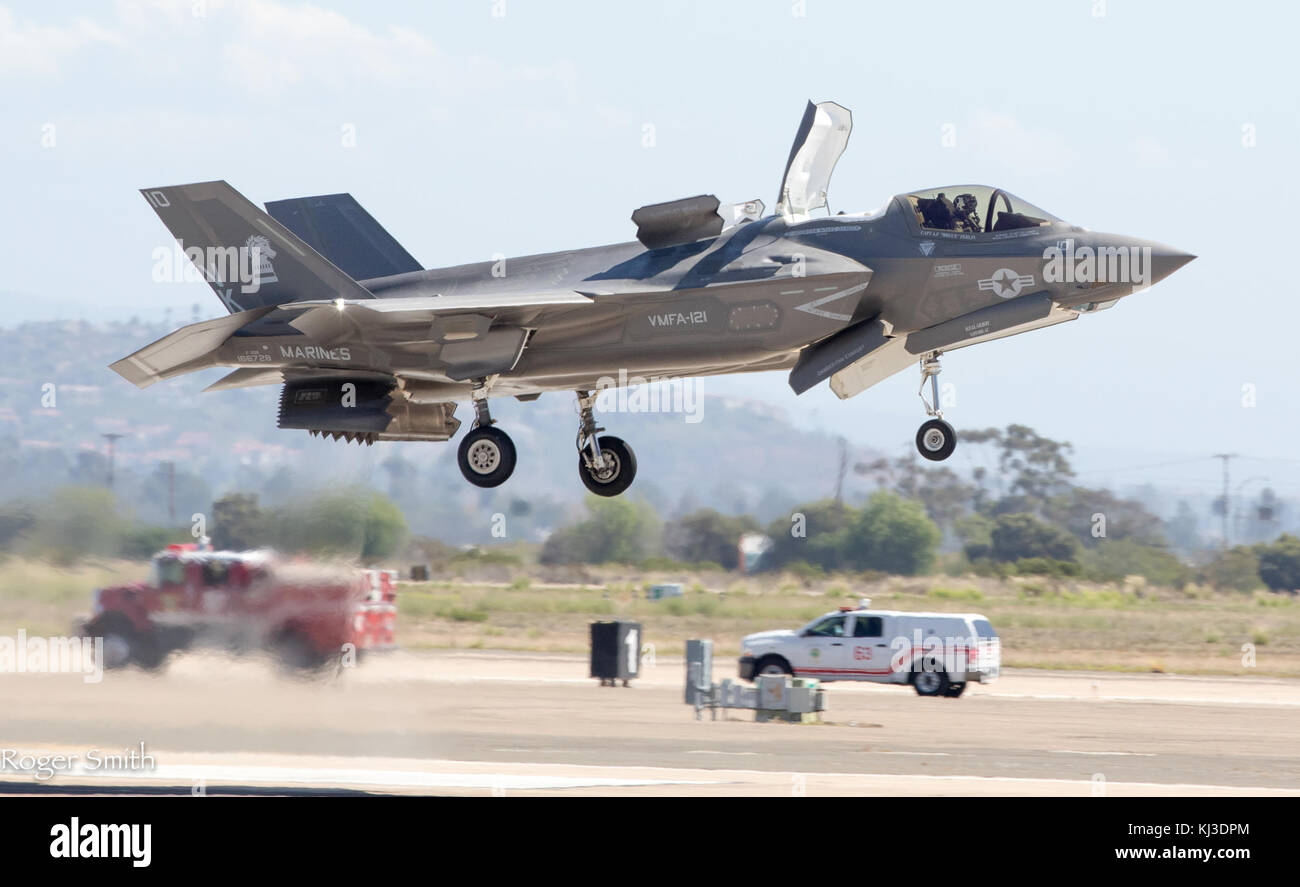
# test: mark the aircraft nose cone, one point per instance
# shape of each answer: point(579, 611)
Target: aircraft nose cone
point(1166, 260)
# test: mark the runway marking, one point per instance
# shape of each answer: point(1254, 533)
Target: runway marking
point(316, 776)
point(493, 775)
point(903, 777)
point(1130, 754)
point(1188, 700)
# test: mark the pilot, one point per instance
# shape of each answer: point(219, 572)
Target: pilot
point(937, 212)
point(966, 215)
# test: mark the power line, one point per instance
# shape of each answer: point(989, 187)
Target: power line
point(1146, 467)
point(1226, 457)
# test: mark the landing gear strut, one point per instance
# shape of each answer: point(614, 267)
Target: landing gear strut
point(487, 454)
point(936, 439)
point(606, 465)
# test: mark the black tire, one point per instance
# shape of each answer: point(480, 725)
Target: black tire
point(486, 456)
point(955, 689)
point(296, 656)
point(935, 440)
point(124, 644)
point(771, 661)
point(929, 679)
point(622, 468)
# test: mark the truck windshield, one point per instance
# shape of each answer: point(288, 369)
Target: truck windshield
point(830, 627)
point(167, 571)
point(984, 629)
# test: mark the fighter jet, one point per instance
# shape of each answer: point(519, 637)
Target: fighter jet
point(369, 346)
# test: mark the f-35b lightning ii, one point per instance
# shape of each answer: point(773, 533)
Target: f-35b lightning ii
point(370, 346)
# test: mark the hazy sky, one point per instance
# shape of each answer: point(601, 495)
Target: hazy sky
point(479, 133)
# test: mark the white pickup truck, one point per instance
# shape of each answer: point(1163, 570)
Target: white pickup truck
point(937, 653)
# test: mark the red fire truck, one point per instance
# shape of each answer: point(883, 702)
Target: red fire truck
point(304, 614)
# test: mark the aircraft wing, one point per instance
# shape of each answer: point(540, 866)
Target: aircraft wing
point(480, 334)
point(869, 352)
point(421, 307)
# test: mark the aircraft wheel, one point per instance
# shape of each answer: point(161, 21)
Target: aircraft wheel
point(618, 471)
point(486, 456)
point(936, 440)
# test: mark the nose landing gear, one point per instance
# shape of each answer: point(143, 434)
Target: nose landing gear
point(606, 465)
point(935, 439)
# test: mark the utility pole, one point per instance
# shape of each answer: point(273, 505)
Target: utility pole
point(844, 467)
point(1226, 457)
point(112, 438)
point(171, 493)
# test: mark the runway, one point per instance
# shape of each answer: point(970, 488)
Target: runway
point(519, 724)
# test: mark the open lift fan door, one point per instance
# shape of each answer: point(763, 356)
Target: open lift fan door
point(823, 135)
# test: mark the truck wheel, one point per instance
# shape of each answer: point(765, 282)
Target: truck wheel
point(149, 654)
point(117, 646)
point(771, 664)
point(123, 644)
point(930, 680)
point(955, 689)
point(297, 656)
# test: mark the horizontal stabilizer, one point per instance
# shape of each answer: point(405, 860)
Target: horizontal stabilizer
point(337, 227)
point(188, 349)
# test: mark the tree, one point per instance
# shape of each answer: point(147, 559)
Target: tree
point(353, 522)
point(707, 535)
point(1236, 569)
point(616, 530)
point(1125, 518)
point(1279, 563)
point(941, 490)
point(814, 533)
point(1039, 466)
point(385, 528)
point(892, 534)
point(16, 518)
point(1017, 536)
point(1116, 558)
point(975, 531)
point(238, 523)
point(75, 522)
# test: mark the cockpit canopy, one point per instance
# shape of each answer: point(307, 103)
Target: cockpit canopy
point(975, 209)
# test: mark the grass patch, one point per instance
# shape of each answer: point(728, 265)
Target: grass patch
point(955, 594)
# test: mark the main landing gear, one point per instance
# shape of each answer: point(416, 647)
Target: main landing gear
point(936, 439)
point(606, 465)
point(487, 454)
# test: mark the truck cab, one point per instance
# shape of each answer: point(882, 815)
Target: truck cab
point(937, 654)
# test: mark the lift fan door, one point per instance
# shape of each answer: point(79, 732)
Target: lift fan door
point(822, 137)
